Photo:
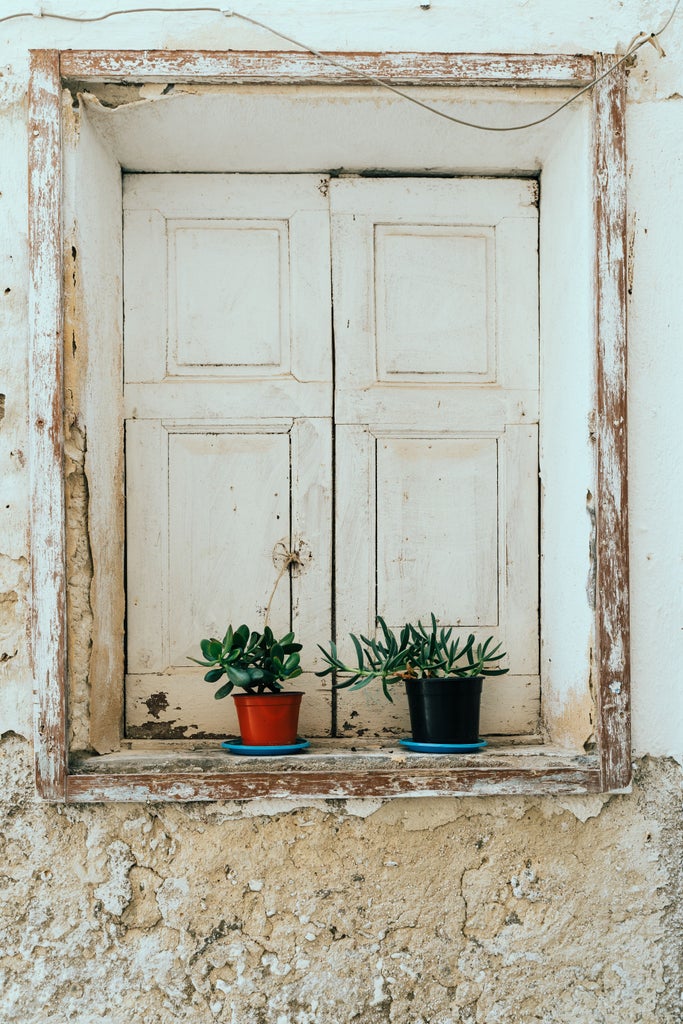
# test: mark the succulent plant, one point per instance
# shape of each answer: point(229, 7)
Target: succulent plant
point(416, 653)
point(255, 661)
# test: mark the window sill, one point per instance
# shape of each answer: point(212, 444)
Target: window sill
point(332, 769)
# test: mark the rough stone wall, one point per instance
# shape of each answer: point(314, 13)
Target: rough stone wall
point(504, 911)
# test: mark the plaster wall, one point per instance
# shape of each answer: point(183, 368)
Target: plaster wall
point(486, 910)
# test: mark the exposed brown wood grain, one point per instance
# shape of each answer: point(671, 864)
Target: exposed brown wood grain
point(332, 784)
point(48, 576)
point(292, 67)
point(612, 571)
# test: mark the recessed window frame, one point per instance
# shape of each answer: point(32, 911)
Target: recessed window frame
point(156, 776)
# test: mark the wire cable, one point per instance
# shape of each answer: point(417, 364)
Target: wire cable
point(638, 41)
point(450, 117)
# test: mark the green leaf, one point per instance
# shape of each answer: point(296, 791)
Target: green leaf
point(291, 648)
point(223, 691)
point(344, 683)
point(211, 649)
point(292, 663)
point(241, 636)
point(238, 676)
point(214, 675)
point(388, 635)
point(359, 650)
point(363, 681)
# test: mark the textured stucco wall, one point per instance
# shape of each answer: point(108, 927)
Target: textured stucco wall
point(481, 910)
point(418, 911)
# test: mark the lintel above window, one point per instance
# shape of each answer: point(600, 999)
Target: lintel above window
point(582, 739)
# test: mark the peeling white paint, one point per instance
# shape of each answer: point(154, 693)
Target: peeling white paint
point(594, 936)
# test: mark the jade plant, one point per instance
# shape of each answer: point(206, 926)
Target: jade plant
point(417, 653)
point(255, 661)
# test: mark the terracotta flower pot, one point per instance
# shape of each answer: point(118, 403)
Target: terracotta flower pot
point(268, 719)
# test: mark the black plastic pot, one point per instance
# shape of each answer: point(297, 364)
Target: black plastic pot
point(445, 710)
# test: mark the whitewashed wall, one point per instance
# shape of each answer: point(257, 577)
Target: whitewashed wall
point(454, 911)
point(655, 150)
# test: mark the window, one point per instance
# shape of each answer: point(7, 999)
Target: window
point(283, 230)
point(230, 382)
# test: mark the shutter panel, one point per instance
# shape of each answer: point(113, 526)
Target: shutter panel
point(227, 394)
point(436, 418)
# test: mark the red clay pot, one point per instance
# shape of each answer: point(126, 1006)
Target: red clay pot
point(268, 719)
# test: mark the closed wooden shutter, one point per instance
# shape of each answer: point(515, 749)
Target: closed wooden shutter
point(233, 451)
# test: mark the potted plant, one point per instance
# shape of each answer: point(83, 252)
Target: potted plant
point(257, 663)
point(443, 677)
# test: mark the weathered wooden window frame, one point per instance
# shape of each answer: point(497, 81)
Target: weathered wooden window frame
point(335, 775)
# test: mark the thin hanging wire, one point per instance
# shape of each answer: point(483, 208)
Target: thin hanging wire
point(638, 41)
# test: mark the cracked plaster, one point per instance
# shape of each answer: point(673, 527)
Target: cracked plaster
point(428, 911)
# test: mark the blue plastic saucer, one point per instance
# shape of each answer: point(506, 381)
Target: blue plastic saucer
point(442, 748)
point(238, 747)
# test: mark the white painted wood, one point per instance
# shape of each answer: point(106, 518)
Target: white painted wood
point(46, 417)
point(466, 243)
point(145, 275)
point(355, 525)
point(147, 637)
point(518, 547)
point(228, 402)
point(228, 506)
point(448, 409)
point(230, 285)
point(516, 249)
point(157, 706)
point(441, 467)
point(311, 540)
point(213, 399)
point(449, 272)
point(239, 273)
point(507, 243)
point(475, 157)
point(437, 530)
point(297, 67)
